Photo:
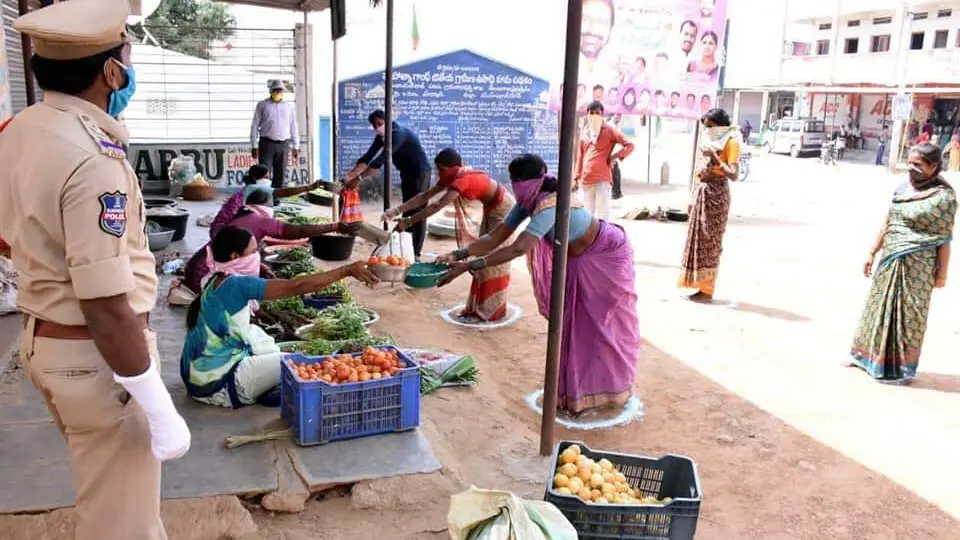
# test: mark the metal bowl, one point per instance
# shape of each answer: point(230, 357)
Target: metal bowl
point(160, 239)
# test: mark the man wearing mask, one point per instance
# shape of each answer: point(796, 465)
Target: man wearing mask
point(273, 132)
point(408, 157)
point(71, 208)
point(596, 159)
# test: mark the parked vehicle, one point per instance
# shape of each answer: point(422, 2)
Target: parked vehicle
point(828, 153)
point(795, 136)
point(744, 172)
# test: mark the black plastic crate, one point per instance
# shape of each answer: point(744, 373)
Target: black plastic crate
point(670, 476)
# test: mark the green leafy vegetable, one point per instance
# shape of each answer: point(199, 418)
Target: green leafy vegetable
point(303, 220)
point(294, 255)
point(338, 289)
point(289, 271)
point(293, 305)
point(340, 322)
point(463, 371)
point(323, 347)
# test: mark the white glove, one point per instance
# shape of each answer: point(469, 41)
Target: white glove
point(169, 434)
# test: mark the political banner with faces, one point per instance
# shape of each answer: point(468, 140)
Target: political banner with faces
point(650, 57)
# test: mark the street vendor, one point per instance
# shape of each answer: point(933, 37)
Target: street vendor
point(257, 217)
point(408, 157)
point(242, 363)
point(256, 178)
point(601, 337)
point(457, 185)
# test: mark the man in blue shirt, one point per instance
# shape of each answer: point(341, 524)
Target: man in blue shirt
point(408, 157)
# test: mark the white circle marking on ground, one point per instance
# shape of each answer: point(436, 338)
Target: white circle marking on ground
point(450, 315)
point(632, 410)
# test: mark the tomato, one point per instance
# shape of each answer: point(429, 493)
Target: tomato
point(364, 376)
point(373, 261)
point(376, 376)
point(343, 372)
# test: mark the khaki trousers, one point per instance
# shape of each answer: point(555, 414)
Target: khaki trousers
point(116, 477)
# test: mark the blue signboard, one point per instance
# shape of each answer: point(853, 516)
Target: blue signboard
point(488, 111)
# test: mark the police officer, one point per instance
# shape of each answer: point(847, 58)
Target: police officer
point(71, 208)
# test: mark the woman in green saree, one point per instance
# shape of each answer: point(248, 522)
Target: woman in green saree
point(915, 252)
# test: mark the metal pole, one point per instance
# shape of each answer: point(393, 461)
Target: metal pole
point(308, 100)
point(388, 109)
point(898, 135)
point(649, 122)
point(334, 130)
point(568, 127)
point(26, 48)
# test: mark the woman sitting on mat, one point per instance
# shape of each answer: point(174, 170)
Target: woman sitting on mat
point(601, 338)
point(457, 185)
point(226, 360)
point(256, 217)
point(256, 178)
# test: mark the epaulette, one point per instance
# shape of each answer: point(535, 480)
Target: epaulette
point(106, 143)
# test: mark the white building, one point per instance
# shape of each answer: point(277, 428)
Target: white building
point(842, 61)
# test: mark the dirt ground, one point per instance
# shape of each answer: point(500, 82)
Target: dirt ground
point(789, 445)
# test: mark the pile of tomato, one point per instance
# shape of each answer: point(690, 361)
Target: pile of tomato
point(389, 260)
point(372, 365)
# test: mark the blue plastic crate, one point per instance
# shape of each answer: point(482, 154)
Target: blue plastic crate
point(321, 302)
point(669, 476)
point(319, 413)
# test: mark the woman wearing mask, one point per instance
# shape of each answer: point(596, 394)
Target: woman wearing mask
point(256, 178)
point(257, 217)
point(718, 164)
point(914, 247)
point(457, 185)
point(601, 337)
point(601, 147)
point(226, 360)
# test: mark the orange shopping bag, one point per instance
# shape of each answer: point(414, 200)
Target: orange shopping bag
point(351, 212)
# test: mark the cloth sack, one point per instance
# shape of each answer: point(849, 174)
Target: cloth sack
point(479, 514)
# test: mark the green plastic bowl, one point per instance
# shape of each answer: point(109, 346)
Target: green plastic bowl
point(425, 275)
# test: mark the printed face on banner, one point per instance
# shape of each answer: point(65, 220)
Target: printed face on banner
point(656, 57)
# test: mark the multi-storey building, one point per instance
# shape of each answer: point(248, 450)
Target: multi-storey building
point(844, 60)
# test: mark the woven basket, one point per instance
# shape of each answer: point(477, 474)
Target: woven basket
point(198, 192)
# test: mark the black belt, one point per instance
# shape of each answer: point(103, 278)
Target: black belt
point(268, 139)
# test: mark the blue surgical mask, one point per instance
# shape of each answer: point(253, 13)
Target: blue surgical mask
point(119, 99)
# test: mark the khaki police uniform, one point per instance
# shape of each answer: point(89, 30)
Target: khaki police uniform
point(71, 208)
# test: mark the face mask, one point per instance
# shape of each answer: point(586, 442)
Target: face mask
point(247, 265)
point(277, 97)
point(527, 192)
point(595, 122)
point(917, 176)
point(119, 99)
point(379, 130)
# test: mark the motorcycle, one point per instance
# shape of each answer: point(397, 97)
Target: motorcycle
point(744, 172)
point(828, 153)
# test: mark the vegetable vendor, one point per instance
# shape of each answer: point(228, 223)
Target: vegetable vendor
point(487, 300)
point(257, 217)
point(226, 360)
point(256, 178)
point(601, 337)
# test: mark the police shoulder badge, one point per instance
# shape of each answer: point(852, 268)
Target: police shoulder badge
point(113, 213)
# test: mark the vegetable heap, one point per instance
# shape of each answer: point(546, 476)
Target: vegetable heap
point(389, 260)
point(340, 322)
point(281, 318)
point(372, 364)
point(296, 268)
point(337, 289)
point(463, 371)
point(302, 220)
point(294, 255)
point(323, 347)
point(596, 482)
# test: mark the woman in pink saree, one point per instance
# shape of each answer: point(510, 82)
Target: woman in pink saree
point(601, 336)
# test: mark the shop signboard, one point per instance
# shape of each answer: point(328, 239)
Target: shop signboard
point(223, 164)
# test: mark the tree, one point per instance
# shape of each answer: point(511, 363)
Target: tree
point(191, 26)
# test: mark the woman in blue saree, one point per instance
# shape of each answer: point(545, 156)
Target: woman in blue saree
point(914, 245)
point(226, 360)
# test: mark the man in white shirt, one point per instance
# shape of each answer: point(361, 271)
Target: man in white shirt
point(275, 125)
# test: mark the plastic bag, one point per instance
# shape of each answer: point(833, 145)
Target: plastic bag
point(8, 287)
point(480, 514)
